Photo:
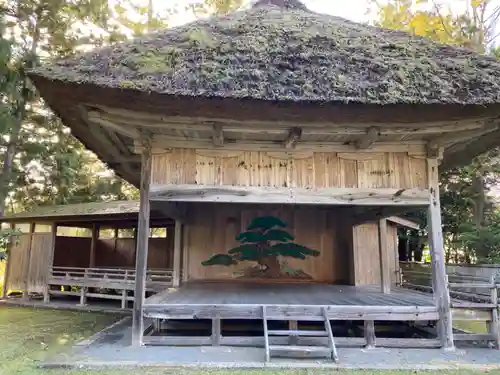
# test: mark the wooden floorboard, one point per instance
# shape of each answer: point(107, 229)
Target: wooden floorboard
point(287, 294)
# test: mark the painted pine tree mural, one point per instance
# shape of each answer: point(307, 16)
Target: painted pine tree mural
point(265, 242)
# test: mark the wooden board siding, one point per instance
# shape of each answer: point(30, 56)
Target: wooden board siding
point(121, 253)
point(18, 260)
point(41, 248)
point(301, 169)
point(212, 230)
point(72, 251)
point(29, 265)
point(366, 256)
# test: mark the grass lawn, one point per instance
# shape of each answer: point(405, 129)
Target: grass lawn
point(30, 335)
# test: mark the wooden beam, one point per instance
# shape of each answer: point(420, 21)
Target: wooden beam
point(27, 261)
point(403, 222)
point(459, 136)
point(5, 288)
point(278, 195)
point(217, 135)
point(366, 141)
point(162, 143)
point(172, 210)
point(385, 275)
point(439, 278)
point(377, 213)
point(142, 245)
point(177, 253)
point(93, 244)
point(294, 136)
point(97, 118)
point(149, 120)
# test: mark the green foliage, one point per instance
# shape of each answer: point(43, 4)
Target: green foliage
point(468, 211)
point(219, 259)
point(265, 223)
point(261, 242)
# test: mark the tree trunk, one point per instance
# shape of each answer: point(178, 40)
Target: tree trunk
point(273, 266)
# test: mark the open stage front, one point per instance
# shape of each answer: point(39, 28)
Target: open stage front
point(285, 301)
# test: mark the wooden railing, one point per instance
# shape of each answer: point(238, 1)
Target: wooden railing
point(106, 283)
point(474, 297)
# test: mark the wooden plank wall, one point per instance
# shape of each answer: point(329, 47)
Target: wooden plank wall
point(72, 251)
point(18, 257)
point(212, 230)
point(366, 256)
point(301, 169)
point(39, 262)
point(121, 253)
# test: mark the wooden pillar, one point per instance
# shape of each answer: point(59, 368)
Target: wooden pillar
point(177, 254)
point(142, 245)
point(436, 246)
point(5, 289)
point(93, 244)
point(50, 263)
point(27, 261)
point(185, 255)
point(369, 328)
point(385, 273)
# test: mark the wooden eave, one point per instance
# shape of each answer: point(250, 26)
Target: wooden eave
point(110, 121)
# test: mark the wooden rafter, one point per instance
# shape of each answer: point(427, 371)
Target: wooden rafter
point(460, 136)
point(96, 117)
point(293, 137)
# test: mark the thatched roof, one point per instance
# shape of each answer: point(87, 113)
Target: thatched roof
point(288, 54)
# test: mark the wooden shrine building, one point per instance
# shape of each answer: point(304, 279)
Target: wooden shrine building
point(278, 133)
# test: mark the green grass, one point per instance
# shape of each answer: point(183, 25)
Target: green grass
point(27, 336)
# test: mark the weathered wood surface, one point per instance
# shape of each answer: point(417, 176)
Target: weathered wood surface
point(439, 280)
point(280, 195)
point(358, 342)
point(142, 245)
point(369, 169)
point(385, 268)
point(212, 229)
point(289, 302)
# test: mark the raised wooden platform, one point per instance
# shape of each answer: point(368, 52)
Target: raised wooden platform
point(210, 300)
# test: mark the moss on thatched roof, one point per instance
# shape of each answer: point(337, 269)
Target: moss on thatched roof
point(78, 209)
point(288, 54)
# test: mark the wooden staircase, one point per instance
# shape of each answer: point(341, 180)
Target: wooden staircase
point(302, 351)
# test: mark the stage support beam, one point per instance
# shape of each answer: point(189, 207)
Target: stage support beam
point(439, 278)
point(142, 244)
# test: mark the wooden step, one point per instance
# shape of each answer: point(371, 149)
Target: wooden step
point(298, 333)
point(299, 349)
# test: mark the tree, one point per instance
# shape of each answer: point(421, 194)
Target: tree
point(263, 242)
point(464, 191)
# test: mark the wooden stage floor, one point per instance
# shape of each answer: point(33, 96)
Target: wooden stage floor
point(238, 300)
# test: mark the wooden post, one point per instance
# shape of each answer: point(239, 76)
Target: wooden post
point(369, 333)
point(27, 261)
point(385, 275)
point(177, 254)
point(83, 290)
point(125, 292)
point(216, 332)
point(493, 327)
point(185, 255)
point(439, 279)
point(5, 289)
point(50, 264)
point(142, 245)
point(93, 244)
